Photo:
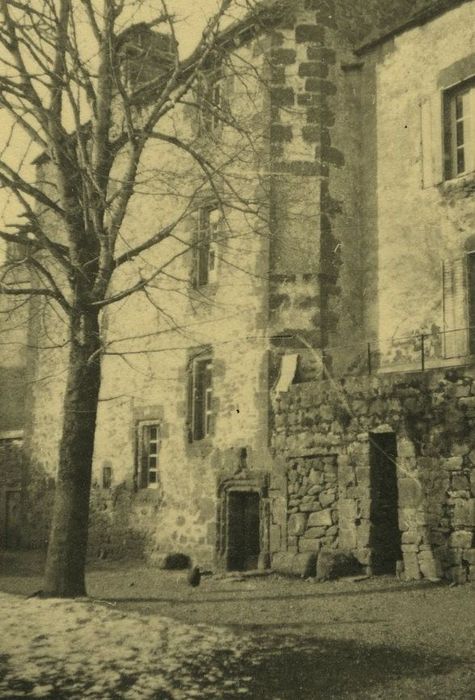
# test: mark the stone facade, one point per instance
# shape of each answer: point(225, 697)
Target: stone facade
point(345, 252)
point(322, 443)
point(416, 223)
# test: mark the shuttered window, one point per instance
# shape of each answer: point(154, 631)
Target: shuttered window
point(455, 307)
point(211, 100)
point(432, 148)
point(206, 246)
point(200, 398)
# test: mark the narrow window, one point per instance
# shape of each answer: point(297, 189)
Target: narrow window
point(471, 300)
point(460, 130)
point(207, 236)
point(149, 445)
point(106, 477)
point(201, 398)
point(212, 103)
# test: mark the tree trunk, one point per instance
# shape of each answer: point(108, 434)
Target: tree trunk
point(66, 559)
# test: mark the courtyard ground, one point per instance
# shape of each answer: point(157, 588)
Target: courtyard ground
point(143, 633)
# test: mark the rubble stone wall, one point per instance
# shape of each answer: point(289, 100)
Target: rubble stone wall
point(321, 444)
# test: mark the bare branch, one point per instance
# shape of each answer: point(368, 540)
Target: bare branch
point(10, 178)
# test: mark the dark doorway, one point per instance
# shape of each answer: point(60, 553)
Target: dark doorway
point(13, 519)
point(243, 530)
point(385, 534)
point(471, 301)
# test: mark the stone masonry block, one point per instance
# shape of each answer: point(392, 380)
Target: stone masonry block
point(310, 33)
point(347, 538)
point(315, 532)
point(320, 87)
point(282, 96)
point(363, 533)
point(346, 475)
point(412, 571)
point(407, 518)
point(363, 555)
point(464, 513)
point(453, 463)
point(304, 565)
point(309, 545)
point(281, 133)
point(321, 53)
point(321, 519)
point(297, 524)
point(348, 510)
point(310, 507)
point(410, 492)
point(275, 537)
point(459, 482)
point(469, 556)
point(313, 69)
point(327, 498)
point(406, 448)
point(283, 56)
point(429, 565)
point(461, 539)
point(362, 475)
point(282, 562)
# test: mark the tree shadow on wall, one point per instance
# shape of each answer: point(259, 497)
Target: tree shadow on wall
point(315, 667)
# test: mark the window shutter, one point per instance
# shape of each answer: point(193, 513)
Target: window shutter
point(189, 401)
point(432, 142)
point(195, 252)
point(455, 308)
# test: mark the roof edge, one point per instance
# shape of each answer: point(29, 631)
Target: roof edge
point(417, 20)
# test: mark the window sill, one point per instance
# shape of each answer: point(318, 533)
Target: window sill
point(200, 297)
point(200, 448)
point(460, 183)
point(146, 495)
point(209, 286)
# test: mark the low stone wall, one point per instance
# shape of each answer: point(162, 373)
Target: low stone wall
point(322, 437)
point(312, 502)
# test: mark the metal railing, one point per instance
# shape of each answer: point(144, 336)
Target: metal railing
point(418, 351)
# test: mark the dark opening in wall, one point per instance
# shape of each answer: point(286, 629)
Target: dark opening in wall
point(243, 530)
point(385, 538)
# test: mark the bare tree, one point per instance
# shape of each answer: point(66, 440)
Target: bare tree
point(80, 84)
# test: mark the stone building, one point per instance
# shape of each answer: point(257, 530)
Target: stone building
point(231, 427)
point(14, 315)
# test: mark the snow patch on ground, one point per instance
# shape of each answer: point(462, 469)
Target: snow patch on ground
point(82, 649)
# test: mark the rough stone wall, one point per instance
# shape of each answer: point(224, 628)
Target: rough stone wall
point(433, 418)
point(312, 505)
point(411, 225)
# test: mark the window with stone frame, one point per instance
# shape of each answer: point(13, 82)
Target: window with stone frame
point(200, 408)
point(459, 129)
point(211, 99)
point(148, 454)
point(205, 263)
